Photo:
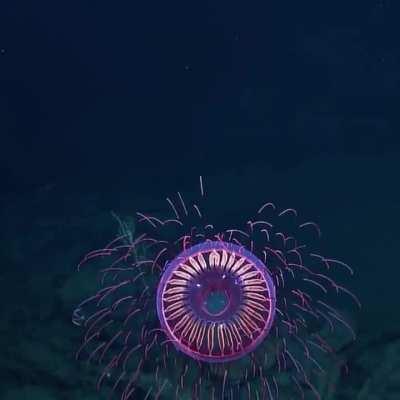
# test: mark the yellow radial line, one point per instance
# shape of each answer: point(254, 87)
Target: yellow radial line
point(255, 305)
point(253, 313)
point(235, 331)
point(249, 321)
point(250, 282)
point(182, 322)
point(189, 269)
point(183, 275)
point(249, 275)
point(175, 297)
point(178, 282)
point(202, 261)
point(249, 288)
point(176, 314)
point(243, 326)
point(220, 336)
point(244, 269)
point(231, 260)
point(187, 327)
point(210, 337)
point(214, 259)
point(256, 296)
point(177, 289)
point(224, 258)
point(238, 264)
point(228, 335)
point(193, 332)
point(200, 336)
point(195, 264)
point(174, 306)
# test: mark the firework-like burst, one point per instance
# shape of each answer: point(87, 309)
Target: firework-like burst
point(188, 310)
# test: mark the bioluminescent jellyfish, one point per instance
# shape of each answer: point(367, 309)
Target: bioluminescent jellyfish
point(186, 309)
point(216, 301)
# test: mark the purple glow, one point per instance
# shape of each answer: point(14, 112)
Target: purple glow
point(182, 300)
point(246, 287)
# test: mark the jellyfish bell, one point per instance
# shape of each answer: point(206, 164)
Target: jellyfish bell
point(216, 301)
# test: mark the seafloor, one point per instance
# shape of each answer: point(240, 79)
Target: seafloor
point(45, 232)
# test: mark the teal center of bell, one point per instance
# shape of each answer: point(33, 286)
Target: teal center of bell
point(216, 302)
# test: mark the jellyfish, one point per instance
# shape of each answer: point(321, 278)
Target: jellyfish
point(185, 309)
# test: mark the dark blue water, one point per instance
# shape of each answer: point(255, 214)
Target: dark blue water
point(111, 107)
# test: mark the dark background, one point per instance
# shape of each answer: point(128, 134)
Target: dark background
point(115, 105)
point(115, 90)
